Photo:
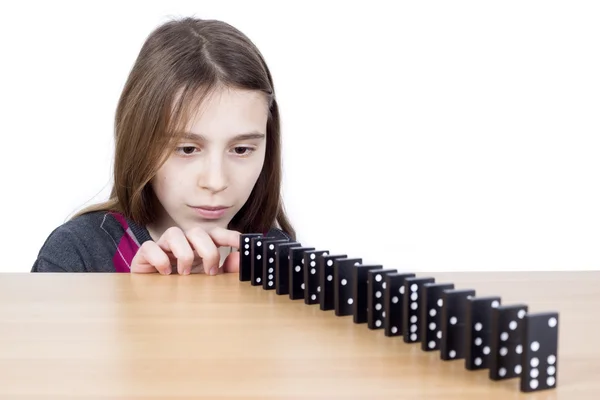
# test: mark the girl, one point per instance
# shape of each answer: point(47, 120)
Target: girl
point(197, 161)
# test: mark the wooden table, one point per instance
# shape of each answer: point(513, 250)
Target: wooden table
point(122, 336)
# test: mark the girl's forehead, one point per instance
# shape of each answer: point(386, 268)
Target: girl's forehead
point(227, 113)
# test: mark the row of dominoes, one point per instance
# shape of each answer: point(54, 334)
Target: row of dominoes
point(506, 339)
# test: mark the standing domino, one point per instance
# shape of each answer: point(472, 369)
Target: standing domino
point(376, 288)
point(454, 312)
point(360, 283)
point(479, 331)
point(311, 276)
point(245, 255)
point(413, 298)
point(325, 271)
point(393, 303)
point(269, 257)
point(540, 351)
point(296, 272)
point(282, 266)
point(342, 285)
point(506, 341)
point(431, 315)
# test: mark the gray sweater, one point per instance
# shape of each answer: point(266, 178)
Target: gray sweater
point(100, 241)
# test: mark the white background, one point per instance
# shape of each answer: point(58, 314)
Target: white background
point(424, 136)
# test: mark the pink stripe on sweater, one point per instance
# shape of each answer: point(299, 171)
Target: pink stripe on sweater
point(126, 248)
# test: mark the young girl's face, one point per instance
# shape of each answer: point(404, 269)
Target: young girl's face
point(217, 165)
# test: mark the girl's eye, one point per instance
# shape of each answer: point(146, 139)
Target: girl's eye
point(187, 150)
point(243, 151)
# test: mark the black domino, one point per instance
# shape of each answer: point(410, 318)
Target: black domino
point(360, 291)
point(454, 313)
point(412, 304)
point(311, 277)
point(376, 289)
point(296, 272)
point(506, 345)
point(342, 285)
point(268, 268)
point(245, 255)
point(325, 271)
point(540, 351)
point(479, 331)
point(256, 253)
point(282, 266)
point(393, 302)
point(431, 315)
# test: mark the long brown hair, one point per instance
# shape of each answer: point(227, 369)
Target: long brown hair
point(179, 64)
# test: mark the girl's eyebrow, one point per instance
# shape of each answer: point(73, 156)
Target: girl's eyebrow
point(240, 137)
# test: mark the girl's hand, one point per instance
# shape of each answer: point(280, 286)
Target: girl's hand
point(194, 251)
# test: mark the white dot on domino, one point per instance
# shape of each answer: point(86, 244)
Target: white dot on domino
point(533, 383)
point(534, 373)
point(535, 362)
point(518, 369)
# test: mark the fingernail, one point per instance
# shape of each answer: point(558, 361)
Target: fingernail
point(186, 271)
point(213, 271)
